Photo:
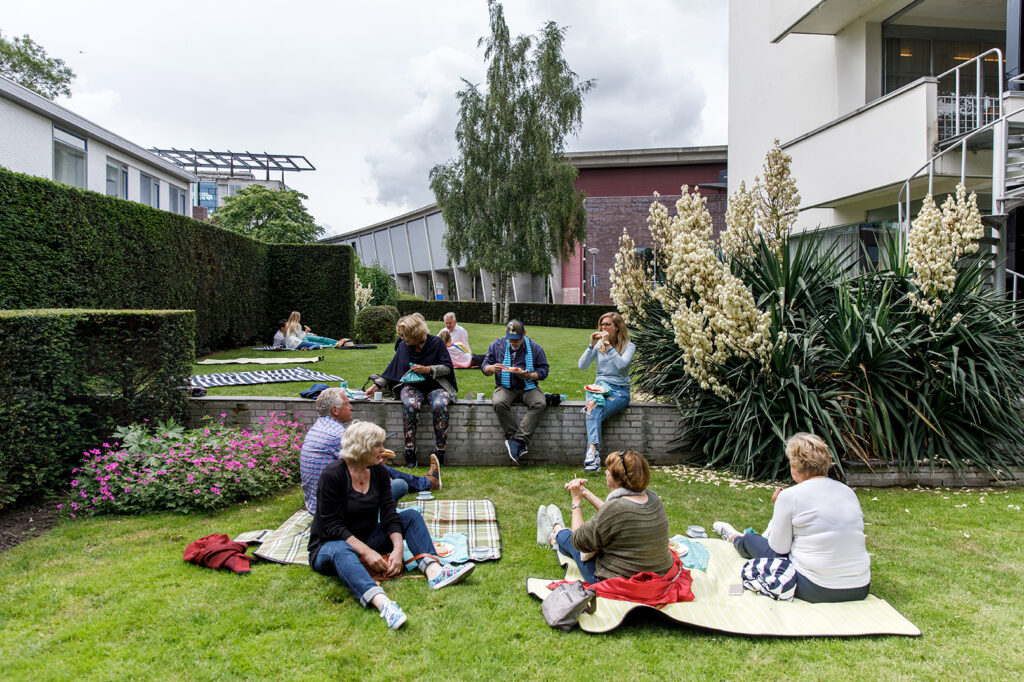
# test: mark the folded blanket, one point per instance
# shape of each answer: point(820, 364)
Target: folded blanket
point(218, 551)
point(266, 377)
point(259, 361)
point(647, 587)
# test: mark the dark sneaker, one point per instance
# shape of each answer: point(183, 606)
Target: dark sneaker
point(512, 448)
point(410, 459)
point(522, 449)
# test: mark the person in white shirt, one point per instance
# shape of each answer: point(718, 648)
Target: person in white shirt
point(458, 332)
point(818, 524)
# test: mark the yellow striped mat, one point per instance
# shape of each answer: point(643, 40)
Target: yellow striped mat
point(748, 613)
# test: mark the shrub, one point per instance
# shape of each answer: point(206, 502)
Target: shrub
point(376, 324)
point(376, 276)
point(165, 468)
point(67, 377)
point(66, 247)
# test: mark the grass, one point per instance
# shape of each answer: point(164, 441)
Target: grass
point(111, 598)
point(562, 346)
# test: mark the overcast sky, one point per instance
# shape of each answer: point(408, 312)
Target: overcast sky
point(366, 91)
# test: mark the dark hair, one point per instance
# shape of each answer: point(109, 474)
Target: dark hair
point(282, 322)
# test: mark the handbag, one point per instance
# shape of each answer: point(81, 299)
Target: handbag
point(412, 377)
point(566, 603)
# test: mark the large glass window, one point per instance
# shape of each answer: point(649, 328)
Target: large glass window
point(149, 190)
point(176, 199)
point(69, 158)
point(208, 196)
point(912, 52)
point(117, 179)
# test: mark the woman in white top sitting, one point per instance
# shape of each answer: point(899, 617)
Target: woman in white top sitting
point(818, 524)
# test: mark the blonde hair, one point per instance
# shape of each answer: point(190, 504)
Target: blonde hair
point(621, 332)
point(293, 326)
point(359, 440)
point(808, 454)
point(445, 336)
point(412, 328)
point(630, 469)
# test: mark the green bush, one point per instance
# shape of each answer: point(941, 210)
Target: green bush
point(151, 468)
point(540, 314)
point(376, 324)
point(376, 276)
point(67, 377)
point(67, 247)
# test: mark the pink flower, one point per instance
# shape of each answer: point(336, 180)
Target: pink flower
point(215, 491)
point(74, 483)
point(196, 491)
point(223, 414)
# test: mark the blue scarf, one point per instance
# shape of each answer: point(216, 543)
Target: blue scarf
point(506, 377)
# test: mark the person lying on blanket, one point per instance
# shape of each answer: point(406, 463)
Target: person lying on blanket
point(357, 526)
point(627, 535)
point(818, 524)
point(298, 336)
point(322, 446)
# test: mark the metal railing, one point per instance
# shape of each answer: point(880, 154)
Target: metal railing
point(1017, 285)
point(961, 113)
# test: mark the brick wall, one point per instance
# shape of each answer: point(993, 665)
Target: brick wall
point(473, 434)
point(606, 218)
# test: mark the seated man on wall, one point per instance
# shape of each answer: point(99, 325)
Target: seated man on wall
point(323, 445)
point(517, 363)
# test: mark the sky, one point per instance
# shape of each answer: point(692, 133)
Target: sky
point(366, 91)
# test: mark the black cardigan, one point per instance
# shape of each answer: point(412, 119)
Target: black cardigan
point(333, 521)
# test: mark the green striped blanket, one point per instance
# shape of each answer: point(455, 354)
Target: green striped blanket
point(478, 519)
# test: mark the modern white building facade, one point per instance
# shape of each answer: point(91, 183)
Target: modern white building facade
point(879, 102)
point(40, 138)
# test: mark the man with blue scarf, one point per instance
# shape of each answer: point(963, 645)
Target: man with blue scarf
point(517, 364)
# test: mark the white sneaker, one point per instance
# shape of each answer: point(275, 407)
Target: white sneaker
point(543, 526)
point(725, 530)
point(392, 614)
point(592, 461)
point(555, 515)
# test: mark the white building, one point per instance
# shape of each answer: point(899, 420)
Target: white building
point(40, 138)
point(866, 95)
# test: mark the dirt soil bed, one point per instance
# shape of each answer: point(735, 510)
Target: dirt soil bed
point(25, 522)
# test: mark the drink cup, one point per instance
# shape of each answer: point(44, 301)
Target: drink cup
point(378, 396)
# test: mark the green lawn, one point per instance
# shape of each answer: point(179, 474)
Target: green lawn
point(111, 598)
point(562, 346)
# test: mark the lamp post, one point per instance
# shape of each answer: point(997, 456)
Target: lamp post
point(593, 287)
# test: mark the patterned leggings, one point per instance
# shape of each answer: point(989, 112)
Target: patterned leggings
point(412, 401)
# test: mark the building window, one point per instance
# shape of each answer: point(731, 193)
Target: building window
point(68, 158)
point(208, 196)
point(149, 190)
point(912, 52)
point(176, 199)
point(117, 179)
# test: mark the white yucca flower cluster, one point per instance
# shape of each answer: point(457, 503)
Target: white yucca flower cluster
point(937, 239)
point(364, 294)
point(630, 279)
point(769, 210)
point(716, 318)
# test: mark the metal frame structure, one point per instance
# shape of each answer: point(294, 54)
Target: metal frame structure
point(235, 161)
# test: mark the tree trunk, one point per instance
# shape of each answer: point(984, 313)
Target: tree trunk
point(507, 296)
point(494, 297)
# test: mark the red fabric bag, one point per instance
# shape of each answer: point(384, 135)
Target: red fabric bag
point(648, 587)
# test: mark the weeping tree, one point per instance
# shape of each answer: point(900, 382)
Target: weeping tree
point(508, 197)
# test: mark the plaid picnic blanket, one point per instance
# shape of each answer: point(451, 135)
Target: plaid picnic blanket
point(747, 613)
point(259, 361)
point(266, 377)
point(478, 519)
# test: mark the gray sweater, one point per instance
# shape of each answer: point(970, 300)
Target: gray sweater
point(628, 538)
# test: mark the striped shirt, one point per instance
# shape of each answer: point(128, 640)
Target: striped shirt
point(321, 447)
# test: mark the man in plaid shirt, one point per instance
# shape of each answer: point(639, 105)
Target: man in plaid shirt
point(323, 445)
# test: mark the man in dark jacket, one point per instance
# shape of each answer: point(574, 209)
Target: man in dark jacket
point(517, 364)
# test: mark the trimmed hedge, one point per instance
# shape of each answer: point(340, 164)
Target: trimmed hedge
point(318, 280)
point(67, 247)
point(543, 314)
point(68, 377)
point(376, 324)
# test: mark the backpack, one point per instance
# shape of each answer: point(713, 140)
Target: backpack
point(566, 603)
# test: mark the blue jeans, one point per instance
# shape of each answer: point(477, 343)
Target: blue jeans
point(306, 345)
point(754, 546)
point(564, 540)
point(402, 483)
point(338, 558)
point(615, 401)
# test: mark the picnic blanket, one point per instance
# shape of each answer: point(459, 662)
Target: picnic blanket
point(259, 361)
point(266, 377)
point(352, 346)
point(748, 613)
point(477, 519)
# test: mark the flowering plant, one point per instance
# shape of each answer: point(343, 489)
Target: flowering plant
point(163, 467)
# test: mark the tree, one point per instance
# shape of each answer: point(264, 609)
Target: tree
point(275, 216)
point(24, 61)
point(508, 197)
point(380, 281)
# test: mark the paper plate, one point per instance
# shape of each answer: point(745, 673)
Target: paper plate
point(443, 549)
point(594, 388)
point(679, 548)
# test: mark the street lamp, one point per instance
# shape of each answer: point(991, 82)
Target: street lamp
point(593, 288)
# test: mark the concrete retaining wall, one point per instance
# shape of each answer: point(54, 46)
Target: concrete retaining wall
point(474, 437)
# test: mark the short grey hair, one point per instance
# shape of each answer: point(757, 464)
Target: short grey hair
point(447, 315)
point(328, 398)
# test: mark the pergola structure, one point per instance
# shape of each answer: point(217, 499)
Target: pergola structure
point(235, 161)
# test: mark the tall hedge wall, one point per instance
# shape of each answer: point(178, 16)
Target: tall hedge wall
point(66, 247)
point(68, 377)
point(543, 314)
